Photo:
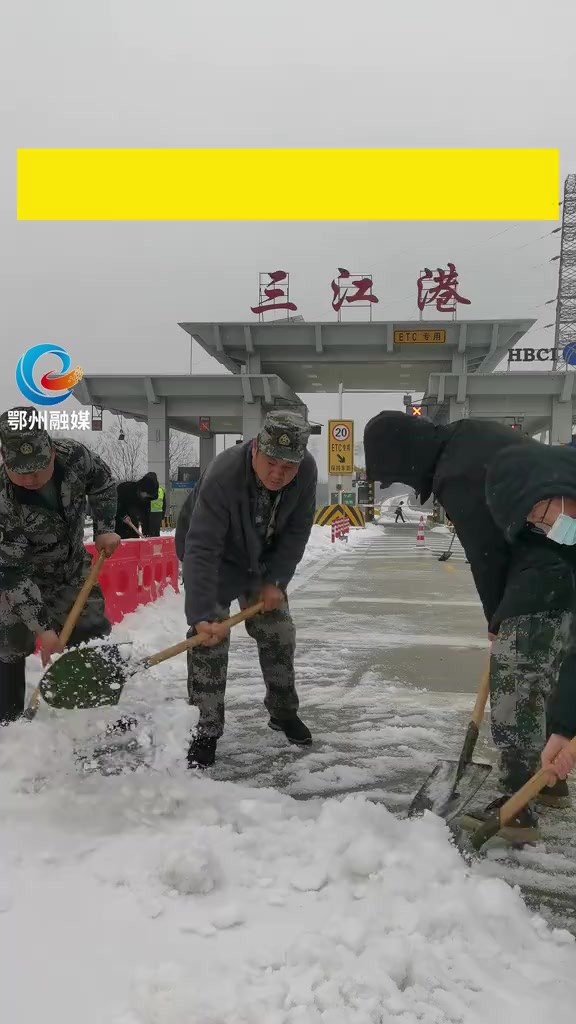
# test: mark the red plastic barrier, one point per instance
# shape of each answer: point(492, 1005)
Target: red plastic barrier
point(157, 568)
point(138, 573)
point(119, 580)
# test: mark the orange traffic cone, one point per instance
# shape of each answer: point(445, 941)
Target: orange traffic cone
point(420, 539)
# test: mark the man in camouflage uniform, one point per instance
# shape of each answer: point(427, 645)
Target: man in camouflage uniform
point(241, 534)
point(526, 658)
point(44, 485)
point(479, 471)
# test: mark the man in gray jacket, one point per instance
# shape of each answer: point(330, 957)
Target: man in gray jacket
point(240, 535)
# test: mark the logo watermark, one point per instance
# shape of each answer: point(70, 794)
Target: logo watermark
point(24, 419)
point(62, 382)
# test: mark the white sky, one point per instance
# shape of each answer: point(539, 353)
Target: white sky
point(327, 73)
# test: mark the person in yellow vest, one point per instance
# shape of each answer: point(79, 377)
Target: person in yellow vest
point(157, 513)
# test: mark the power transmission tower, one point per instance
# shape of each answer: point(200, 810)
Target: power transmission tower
point(566, 301)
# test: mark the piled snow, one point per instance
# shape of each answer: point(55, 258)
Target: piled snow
point(157, 897)
point(320, 544)
point(167, 899)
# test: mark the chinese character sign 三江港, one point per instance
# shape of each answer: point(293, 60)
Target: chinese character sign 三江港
point(433, 288)
point(21, 419)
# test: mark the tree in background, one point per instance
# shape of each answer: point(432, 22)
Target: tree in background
point(128, 458)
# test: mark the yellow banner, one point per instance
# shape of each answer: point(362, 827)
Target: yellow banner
point(287, 184)
point(419, 337)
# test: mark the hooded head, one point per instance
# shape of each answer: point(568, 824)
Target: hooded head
point(403, 449)
point(528, 483)
point(148, 486)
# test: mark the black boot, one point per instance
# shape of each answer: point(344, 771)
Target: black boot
point(12, 690)
point(202, 751)
point(293, 728)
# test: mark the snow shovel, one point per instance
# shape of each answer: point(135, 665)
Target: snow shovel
point(452, 784)
point(94, 677)
point(67, 628)
point(475, 841)
point(446, 554)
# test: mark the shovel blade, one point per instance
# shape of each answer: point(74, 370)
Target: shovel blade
point(90, 677)
point(444, 793)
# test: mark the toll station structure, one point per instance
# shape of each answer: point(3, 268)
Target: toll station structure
point(271, 364)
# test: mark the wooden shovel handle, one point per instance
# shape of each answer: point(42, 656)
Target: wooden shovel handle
point(481, 697)
point(531, 789)
point(195, 641)
point(76, 609)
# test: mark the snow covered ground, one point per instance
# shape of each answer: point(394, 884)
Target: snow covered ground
point(156, 897)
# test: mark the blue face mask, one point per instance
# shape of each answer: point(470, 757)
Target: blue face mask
point(564, 529)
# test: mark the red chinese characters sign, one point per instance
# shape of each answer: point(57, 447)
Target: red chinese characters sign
point(270, 293)
point(342, 290)
point(437, 288)
point(440, 289)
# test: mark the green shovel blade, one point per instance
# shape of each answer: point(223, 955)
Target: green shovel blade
point(91, 677)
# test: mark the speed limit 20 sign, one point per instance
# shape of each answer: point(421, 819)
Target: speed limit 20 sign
point(340, 447)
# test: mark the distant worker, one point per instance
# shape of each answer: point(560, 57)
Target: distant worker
point(241, 534)
point(133, 511)
point(157, 512)
point(399, 513)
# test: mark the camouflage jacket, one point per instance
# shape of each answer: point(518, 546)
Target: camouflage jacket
point(41, 547)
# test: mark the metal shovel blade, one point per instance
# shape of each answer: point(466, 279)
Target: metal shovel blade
point(444, 793)
point(88, 677)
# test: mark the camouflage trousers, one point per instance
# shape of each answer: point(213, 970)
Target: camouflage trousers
point(524, 666)
point(275, 636)
point(17, 641)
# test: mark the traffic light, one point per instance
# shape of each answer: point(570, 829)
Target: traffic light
point(416, 410)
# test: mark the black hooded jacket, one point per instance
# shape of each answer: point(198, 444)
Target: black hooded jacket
point(452, 462)
point(517, 480)
point(131, 504)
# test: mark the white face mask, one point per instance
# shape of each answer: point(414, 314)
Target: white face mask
point(564, 529)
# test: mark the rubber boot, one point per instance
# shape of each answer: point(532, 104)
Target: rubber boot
point(12, 690)
point(293, 728)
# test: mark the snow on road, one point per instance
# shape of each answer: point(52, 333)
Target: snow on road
point(157, 897)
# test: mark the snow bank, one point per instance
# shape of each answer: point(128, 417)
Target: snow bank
point(320, 544)
point(166, 899)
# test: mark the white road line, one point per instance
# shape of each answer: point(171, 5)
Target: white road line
point(407, 600)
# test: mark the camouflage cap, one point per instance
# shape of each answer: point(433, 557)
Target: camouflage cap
point(26, 445)
point(284, 436)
